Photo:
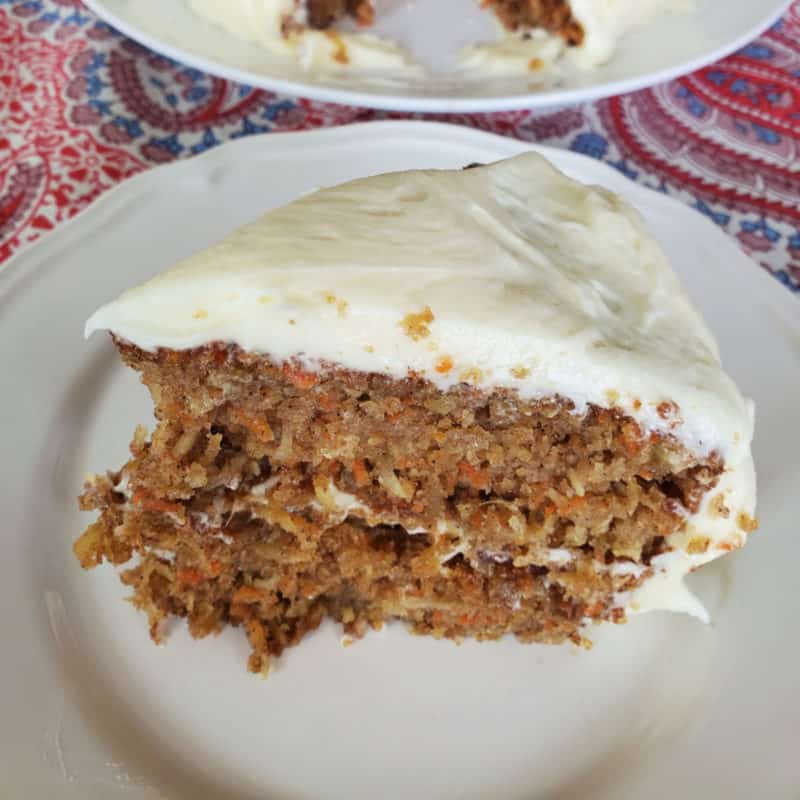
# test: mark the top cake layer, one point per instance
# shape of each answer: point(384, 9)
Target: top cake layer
point(509, 275)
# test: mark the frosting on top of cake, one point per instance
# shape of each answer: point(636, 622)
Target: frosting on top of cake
point(509, 275)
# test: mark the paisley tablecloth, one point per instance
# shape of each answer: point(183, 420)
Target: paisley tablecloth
point(82, 108)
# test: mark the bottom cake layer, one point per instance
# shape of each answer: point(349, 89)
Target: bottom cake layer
point(279, 579)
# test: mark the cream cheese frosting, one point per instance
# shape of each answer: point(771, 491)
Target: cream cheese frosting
point(509, 275)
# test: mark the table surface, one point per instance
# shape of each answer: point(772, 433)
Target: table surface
point(82, 108)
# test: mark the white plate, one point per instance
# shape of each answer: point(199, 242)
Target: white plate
point(663, 707)
point(671, 46)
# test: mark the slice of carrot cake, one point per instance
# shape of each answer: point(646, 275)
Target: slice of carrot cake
point(533, 33)
point(478, 401)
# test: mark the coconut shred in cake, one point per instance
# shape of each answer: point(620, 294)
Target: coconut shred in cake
point(510, 276)
point(281, 27)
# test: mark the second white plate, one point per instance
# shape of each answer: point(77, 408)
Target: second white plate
point(670, 46)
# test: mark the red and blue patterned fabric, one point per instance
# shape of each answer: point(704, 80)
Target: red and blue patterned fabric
point(82, 108)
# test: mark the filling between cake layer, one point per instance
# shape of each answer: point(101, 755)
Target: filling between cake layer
point(271, 496)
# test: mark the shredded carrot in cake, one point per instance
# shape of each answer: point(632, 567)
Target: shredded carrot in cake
point(154, 504)
point(632, 438)
point(444, 365)
point(573, 503)
point(260, 427)
point(326, 402)
point(360, 472)
point(190, 577)
point(476, 478)
point(248, 594)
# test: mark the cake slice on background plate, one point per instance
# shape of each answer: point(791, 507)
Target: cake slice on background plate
point(478, 401)
point(532, 34)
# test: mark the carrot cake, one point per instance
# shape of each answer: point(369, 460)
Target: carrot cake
point(478, 401)
point(533, 34)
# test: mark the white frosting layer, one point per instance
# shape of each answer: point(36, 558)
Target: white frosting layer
point(510, 275)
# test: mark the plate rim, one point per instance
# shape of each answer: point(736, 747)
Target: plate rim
point(425, 104)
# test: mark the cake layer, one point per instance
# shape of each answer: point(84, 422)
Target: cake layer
point(503, 474)
point(280, 581)
point(510, 275)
